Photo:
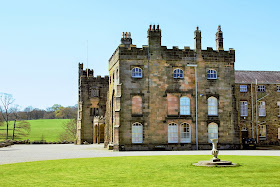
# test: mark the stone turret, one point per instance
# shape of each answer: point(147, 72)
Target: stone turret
point(197, 39)
point(219, 39)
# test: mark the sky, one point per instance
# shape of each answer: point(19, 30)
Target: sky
point(42, 42)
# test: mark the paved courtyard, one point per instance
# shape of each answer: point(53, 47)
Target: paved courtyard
point(28, 153)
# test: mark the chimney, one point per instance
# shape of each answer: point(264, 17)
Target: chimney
point(197, 39)
point(126, 39)
point(154, 37)
point(219, 39)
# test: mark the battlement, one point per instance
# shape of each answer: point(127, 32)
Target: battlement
point(154, 44)
point(88, 75)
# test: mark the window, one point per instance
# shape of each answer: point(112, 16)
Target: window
point(212, 106)
point(243, 88)
point(262, 131)
point(278, 104)
point(212, 132)
point(94, 93)
point(185, 106)
point(185, 133)
point(262, 111)
point(261, 88)
point(94, 111)
point(172, 133)
point(137, 133)
point(172, 104)
point(211, 74)
point(178, 74)
point(243, 108)
point(278, 88)
point(137, 105)
point(136, 73)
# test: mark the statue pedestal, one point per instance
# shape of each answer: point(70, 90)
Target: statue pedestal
point(215, 161)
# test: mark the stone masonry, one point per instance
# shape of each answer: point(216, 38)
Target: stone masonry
point(152, 100)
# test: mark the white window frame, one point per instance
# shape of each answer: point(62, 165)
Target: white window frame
point(211, 74)
point(185, 133)
point(185, 106)
point(212, 106)
point(243, 108)
point(262, 129)
point(136, 72)
point(278, 88)
point(262, 108)
point(173, 133)
point(243, 88)
point(261, 88)
point(137, 133)
point(178, 73)
point(213, 132)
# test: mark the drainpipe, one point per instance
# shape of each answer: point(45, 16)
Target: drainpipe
point(257, 138)
point(196, 130)
point(252, 111)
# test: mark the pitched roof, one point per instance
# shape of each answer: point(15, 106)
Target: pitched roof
point(263, 77)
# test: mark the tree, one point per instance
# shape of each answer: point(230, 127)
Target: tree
point(14, 111)
point(6, 100)
point(28, 110)
point(22, 129)
point(66, 112)
point(69, 133)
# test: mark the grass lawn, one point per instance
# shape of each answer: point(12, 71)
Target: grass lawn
point(48, 128)
point(143, 171)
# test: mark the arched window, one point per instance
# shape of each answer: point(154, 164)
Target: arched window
point(185, 133)
point(211, 74)
point(178, 74)
point(172, 133)
point(212, 132)
point(137, 133)
point(212, 106)
point(137, 104)
point(185, 107)
point(136, 73)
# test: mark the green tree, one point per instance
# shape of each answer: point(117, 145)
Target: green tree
point(22, 129)
point(69, 133)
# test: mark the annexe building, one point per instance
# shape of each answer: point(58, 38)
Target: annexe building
point(258, 105)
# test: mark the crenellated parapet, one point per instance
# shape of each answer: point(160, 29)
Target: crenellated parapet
point(125, 51)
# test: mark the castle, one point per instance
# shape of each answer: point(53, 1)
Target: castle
point(176, 99)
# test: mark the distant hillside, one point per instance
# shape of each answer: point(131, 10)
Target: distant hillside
point(48, 129)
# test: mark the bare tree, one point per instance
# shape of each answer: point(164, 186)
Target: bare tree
point(6, 100)
point(14, 111)
point(28, 110)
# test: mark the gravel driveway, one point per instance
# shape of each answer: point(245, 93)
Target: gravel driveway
point(28, 153)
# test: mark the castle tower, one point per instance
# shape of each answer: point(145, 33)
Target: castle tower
point(197, 39)
point(219, 39)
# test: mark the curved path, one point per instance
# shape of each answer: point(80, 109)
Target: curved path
point(28, 153)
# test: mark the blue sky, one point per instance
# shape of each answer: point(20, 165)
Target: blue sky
point(41, 42)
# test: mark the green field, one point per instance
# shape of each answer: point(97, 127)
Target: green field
point(49, 129)
point(143, 171)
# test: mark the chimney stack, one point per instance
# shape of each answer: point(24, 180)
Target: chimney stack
point(154, 37)
point(197, 39)
point(126, 39)
point(219, 39)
